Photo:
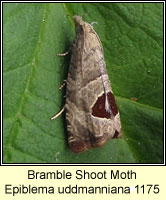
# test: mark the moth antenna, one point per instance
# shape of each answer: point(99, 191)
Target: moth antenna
point(58, 114)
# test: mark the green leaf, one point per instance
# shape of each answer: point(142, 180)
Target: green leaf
point(132, 37)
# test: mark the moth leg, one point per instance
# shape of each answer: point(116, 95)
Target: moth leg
point(58, 114)
point(65, 53)
point(63, 84)
point(62, 54)
point(61, 111)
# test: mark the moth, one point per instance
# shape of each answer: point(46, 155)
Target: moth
point(91, 112)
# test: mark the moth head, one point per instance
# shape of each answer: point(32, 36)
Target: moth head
point(78, 20)
point(78, 23)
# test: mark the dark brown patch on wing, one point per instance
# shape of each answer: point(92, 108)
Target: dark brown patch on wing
point(98, 109)
point(78, 146)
